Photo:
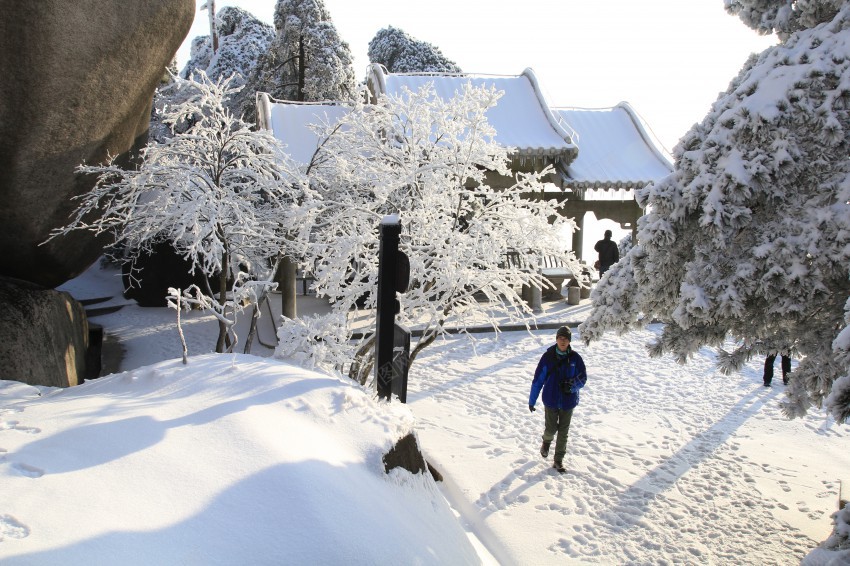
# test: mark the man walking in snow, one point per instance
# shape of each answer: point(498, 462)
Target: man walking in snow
point(560, 374)
point(608, 252)
point(768, 369)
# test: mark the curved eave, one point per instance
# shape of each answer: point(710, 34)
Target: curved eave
point(567, 154)
point(606, 185)
point(569, 137)
point(651, 141)
point(600, 184)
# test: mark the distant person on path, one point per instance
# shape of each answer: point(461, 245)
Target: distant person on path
point(768, 369)
point(560, 374)
point(608, 253)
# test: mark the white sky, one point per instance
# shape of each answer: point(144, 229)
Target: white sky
point(668, 58)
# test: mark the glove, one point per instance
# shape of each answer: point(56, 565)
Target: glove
point(531, 408)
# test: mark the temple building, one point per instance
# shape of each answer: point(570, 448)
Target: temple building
point(598, 156)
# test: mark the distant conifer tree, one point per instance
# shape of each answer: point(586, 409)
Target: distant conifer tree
point(400, 53)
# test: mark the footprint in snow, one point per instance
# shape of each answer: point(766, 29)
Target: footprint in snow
point(15, 425)
point(12, 528)
point(28, 471)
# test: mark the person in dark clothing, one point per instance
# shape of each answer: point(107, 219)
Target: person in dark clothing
point(560, 374)
point(768, 369)
point(608, 252)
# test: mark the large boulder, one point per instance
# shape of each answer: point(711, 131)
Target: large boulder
point(43, 335)
point(77, 83)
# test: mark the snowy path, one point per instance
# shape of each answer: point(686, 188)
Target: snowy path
point(667, 464)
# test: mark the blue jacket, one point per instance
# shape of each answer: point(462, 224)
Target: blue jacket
point(552, 371)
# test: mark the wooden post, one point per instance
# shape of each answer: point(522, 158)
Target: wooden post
point(287, 285)
point(578, 236)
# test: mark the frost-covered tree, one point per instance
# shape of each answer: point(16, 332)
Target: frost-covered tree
point(401, 53)
point(425, 158)
point(243, 39)
point(624, 245)
point(749, 238)
point(307, 60)
point(165, 95)
point(783, 17)
point(226, 197)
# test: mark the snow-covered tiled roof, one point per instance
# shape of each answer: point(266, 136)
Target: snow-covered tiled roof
point(615, 149)
point(291, 122)
point(521, 117)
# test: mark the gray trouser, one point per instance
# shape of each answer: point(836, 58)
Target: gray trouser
point(558, 421)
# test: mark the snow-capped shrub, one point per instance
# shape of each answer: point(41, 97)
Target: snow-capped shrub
point(315, 342)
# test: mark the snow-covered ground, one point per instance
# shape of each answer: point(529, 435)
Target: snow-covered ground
point(240, 459)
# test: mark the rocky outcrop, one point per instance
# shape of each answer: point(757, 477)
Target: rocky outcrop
point(405, 454)
point(43, 335)
point(78, 81)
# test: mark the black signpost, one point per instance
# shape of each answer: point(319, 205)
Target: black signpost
point(392, 342)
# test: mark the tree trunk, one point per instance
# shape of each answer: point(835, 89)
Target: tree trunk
point(421, 345)
point(222, 300)
point(302, 70)
point(213, 31)
point(252, 331)
point(287, 286)
point(364, 359)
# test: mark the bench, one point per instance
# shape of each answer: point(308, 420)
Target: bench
point(554, 270)
point(551, 268)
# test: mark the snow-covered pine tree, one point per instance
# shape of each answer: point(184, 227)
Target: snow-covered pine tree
point(307, 60)
point(749, 238)
point(226, 197)
point(783, 17)
point(401, 53)
point(243, 39)
point(425, 158)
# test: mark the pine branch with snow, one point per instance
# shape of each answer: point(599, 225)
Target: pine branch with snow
point(783, 16)
point(749, 238)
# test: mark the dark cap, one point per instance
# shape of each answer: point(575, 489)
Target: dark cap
point(564, 331)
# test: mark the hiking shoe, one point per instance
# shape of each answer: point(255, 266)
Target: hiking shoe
point(559, 466)
point(544, 448)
